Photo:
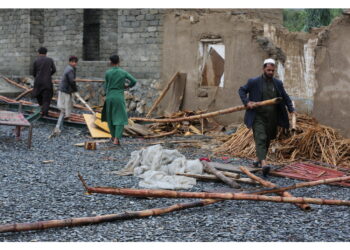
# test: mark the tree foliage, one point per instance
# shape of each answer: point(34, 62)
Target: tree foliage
point(304, 19)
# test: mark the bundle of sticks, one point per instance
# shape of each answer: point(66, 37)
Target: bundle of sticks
point(310, 141)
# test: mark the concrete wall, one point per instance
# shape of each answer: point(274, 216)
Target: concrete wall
point(332, 97)
point(14, 41)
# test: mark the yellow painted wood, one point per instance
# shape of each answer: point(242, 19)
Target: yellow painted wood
point(93, 129)
point(102, 125)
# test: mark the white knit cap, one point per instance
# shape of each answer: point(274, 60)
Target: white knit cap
point(269, 60)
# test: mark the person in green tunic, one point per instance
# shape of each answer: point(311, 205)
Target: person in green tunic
point(264, 120)
point(114, 110)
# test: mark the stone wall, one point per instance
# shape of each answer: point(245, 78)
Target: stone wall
point(36, 33)
point(140, 41)
point(14, 41)
point(108, 33)
point(63, 35)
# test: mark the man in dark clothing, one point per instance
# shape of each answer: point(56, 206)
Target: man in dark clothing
point(264, 120)
point(43, 69)
point(67, 87)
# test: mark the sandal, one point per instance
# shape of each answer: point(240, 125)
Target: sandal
point(257, 164)
point(114, 143)
point(266, 170)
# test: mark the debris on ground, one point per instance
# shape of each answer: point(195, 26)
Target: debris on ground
point(310, 172)
point(311, 141)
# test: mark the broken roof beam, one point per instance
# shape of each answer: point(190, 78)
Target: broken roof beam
point(15, 83)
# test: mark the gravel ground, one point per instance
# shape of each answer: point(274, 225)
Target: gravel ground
point(32, 190)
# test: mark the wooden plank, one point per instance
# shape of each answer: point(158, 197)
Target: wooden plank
point(94, 131)
point(231, 167)
point(102, 125)
point(173, 99)
point(140, 129)
point(165, 90)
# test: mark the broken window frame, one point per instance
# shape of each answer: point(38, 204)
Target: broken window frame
point(204, 53)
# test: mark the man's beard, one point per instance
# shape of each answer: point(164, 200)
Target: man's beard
point(268, 76)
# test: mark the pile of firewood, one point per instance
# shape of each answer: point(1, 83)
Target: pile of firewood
point(310, 140)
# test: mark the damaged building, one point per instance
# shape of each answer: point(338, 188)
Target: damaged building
point(216, 51)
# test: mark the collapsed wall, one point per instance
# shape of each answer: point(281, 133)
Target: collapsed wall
point(332, 63)
point(297, 70)
point(244, 44)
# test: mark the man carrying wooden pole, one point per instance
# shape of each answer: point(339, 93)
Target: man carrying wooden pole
point(264, 120)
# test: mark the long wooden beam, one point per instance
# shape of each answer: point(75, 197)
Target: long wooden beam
point(159, 193)
point(207, 115)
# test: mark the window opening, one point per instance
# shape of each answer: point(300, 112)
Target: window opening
point(213, 62)
point(91, 35)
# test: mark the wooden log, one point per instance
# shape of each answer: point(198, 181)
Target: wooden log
point(247, 180)
point(205, 195)
point(15, 83)
point(204, 177)
point(23, 94)
point(210, 177)
point(72, 222)
point(161, 96)
point(229, 181)
point(211, 114)
point(265, 183)
point(230, 167)
point(277, 189)
point(232, 175)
